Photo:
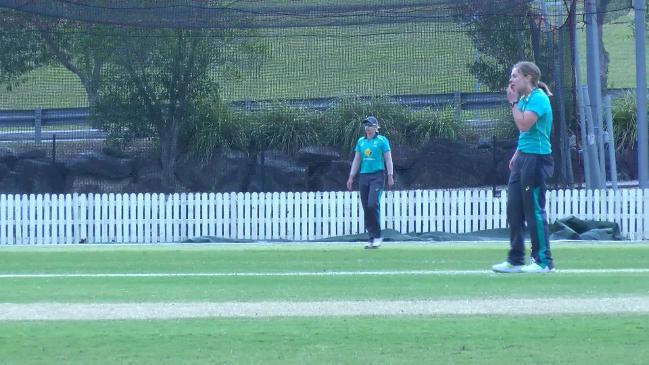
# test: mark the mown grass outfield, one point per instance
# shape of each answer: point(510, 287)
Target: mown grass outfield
point(321, 304)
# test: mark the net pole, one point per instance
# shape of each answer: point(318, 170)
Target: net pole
point(585, 149)
point(641, 93)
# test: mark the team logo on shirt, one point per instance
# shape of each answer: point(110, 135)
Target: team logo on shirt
point(367, 152)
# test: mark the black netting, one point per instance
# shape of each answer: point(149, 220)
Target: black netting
point(243, 14)
point(130, 95)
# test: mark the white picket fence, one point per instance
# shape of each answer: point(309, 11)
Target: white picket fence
point(155, 218)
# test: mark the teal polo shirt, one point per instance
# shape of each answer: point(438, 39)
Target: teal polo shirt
point(536, 140)
point(371, 151)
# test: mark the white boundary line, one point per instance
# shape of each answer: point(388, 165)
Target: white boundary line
point(305, 244)
point(317, 273)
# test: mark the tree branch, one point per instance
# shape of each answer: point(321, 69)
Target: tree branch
point(59, 53)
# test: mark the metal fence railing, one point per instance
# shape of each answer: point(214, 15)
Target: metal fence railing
point(24, 125)
point(46, 124)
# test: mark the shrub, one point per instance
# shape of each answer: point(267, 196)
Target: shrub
point(342, 123)
point(284, 128)
point(399, 123)
point(215, 126)
point(430, 123)
point(625, 121)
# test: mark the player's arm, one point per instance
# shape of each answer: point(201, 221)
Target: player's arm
point(389, 166)
point(511, 160)
point(356, 163)
point(524, 119)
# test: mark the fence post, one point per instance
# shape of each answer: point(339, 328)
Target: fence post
point(609, 140)
point(54, 148)
point(457, 101)
point(38, 118)
point(641, 92)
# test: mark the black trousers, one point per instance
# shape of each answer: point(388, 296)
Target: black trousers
point(526, 206)
point(371, 188)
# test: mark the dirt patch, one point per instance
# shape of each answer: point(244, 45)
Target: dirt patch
point(135, 311)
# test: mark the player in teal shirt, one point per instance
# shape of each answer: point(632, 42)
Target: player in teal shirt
point(536, 139)
point(373, 159)
point(371, 151)
point(531, 167)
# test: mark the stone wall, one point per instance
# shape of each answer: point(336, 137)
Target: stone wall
point(438, 164)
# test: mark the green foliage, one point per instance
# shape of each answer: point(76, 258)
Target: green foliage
point(399, 123)
point(121, 116)
point(22, 49)
point(283, 128)
point(159, 77)
point(29, 42)
point(395, 119)
point(215, 126)
point(504, 32)
point(159, 81)
point(219, 126)
point(625, 121)
point(430, 123)
point(343, 123)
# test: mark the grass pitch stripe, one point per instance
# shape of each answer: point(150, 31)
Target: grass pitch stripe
point(310, 273)
point(147, 311)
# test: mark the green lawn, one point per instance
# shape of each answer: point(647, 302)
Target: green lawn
point(309, 258)
point(53, 87)
point(373, 339)
point(575, 340)
point(190, 258)
point(312, 258)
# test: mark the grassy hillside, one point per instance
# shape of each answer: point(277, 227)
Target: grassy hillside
point(395, 59)
point(338, 61)
point(620, 45)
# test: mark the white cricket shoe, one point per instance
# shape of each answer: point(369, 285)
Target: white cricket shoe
point(374, 243)
point(533, 267)
point(506, 268)
point(370, 243)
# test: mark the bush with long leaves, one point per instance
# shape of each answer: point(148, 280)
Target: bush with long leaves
point(283, 128)
point(625, 121)
point(216, 126)
point(289, 129)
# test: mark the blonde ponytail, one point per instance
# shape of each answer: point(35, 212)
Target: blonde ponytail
point(543, 86)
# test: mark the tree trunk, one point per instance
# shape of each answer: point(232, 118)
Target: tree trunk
point(169, 135)
point(93, 94)
point(535, 38)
